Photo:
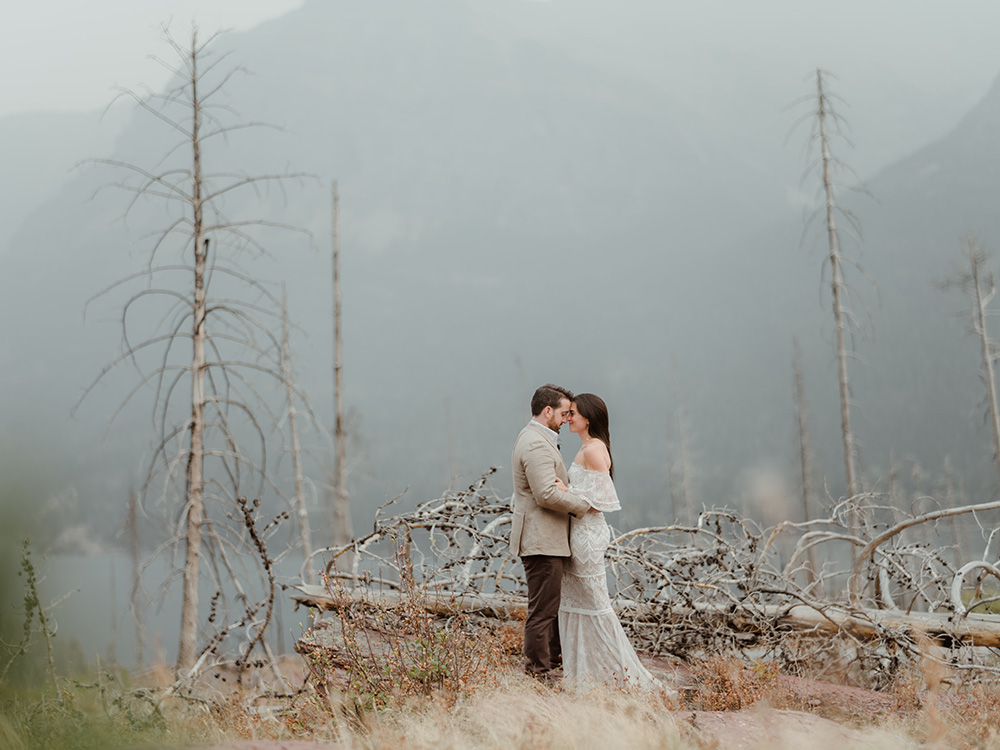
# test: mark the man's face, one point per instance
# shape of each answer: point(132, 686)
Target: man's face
point(559, 416)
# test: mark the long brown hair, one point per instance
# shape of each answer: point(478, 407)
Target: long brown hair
point(595, 411)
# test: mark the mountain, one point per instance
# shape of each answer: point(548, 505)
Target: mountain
point(487, 184)
point(929, 204)
point(39, 150)
point(915, 381)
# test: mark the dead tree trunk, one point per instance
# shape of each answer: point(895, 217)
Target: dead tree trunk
point(450, 433)
point(951, 501)
point(838, 289)
point(800, 412)
point(825, 620)
point(824, 125)
point(982, 300)
point(300, 498)
point(342, 530)
point(232, 343)
point(680, 469)
point(979, 285)
point(196, 426)
point(132, 526)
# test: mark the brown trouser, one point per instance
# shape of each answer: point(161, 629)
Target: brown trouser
point(542, 651)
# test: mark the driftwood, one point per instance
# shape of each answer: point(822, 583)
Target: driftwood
point(723, 582)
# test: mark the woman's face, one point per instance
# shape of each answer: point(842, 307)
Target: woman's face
point(576, 422)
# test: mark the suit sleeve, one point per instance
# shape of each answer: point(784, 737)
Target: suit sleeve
point(540, 472)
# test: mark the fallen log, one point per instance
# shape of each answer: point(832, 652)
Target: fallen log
point(870, 624)
point(444, 603)
point(862, 623)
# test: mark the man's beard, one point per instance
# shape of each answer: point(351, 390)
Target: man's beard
point(555, 426)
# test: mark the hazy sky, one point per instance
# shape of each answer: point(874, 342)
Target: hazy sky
point(71, 55)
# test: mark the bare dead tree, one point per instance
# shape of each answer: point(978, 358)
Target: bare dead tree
point(951, 501)
point(679, 466)
point(113, 625)
point(341, 529)
point(301, 512)
point(450, 434)
point(837, 288)
point(893, 478)
point(203, 459)
point(979, 285)
point(135, 605)
point(804, 452)
point(825, 123)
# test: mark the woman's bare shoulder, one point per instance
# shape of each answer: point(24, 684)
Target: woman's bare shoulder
point(596, 456)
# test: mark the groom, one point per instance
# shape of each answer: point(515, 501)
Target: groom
point(540, 528)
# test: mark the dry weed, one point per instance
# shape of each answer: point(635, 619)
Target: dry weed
point(511, 637)
point(906, 690)
point(727, 683)
point(392, 653)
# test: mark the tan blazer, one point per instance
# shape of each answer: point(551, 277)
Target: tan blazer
point(541, 512)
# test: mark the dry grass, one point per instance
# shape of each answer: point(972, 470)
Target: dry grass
point(726, 683)
point(934, 707)
point(382, 655)
point(961, 718)
point(402, 678)
point(517, 712)
point(520, 713)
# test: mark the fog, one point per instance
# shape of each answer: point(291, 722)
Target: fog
point(613, 197)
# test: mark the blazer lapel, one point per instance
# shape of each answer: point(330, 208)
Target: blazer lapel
point(560, 464)
point(543, 431)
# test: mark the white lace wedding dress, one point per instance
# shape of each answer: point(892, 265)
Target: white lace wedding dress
point(595, 650)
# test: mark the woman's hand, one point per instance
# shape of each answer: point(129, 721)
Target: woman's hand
point(560, 486)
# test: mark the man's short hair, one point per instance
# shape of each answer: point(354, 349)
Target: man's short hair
point(549, 395)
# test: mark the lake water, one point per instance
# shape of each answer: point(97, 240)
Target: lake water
point(95, 619)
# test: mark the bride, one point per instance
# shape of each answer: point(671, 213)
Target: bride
point(595, 649)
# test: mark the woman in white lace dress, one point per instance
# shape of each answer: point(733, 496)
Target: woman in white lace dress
point(595, 650)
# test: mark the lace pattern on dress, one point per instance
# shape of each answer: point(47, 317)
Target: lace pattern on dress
point(595, 487)
point(595, 649)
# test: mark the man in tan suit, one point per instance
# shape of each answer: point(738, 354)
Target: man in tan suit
point(540, 527)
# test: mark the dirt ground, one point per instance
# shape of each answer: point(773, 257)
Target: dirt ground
point(829, 711)
point(829, 700)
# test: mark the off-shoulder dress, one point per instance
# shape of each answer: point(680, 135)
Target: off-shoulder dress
point(595, 649)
